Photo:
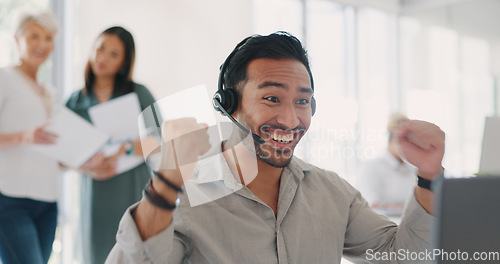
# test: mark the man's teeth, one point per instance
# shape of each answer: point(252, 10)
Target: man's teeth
point(282, 138)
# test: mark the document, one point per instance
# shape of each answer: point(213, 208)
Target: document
point(77, 140)
point(119, 118)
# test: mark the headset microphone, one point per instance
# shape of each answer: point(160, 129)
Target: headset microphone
point(219, 107)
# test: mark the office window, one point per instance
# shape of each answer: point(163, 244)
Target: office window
point(352, 55)
point(446, 80)
point(329, 142)
point(431, 90)
point(477, 98)
point(378, 95)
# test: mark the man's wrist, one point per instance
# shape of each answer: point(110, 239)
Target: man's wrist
point(151, 220)
point(164, 190)
point(156, 199)
point(169, 183)
point(426, 183)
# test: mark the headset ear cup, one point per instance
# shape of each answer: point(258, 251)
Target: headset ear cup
point(218, 96)
point(232, 101)
point(313, 106)
point(227, 99)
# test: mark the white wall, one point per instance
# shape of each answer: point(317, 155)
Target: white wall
point(179, 44)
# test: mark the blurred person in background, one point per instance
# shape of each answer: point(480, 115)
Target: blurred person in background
point(104, 193)
point(28, 179)
point(387, 180)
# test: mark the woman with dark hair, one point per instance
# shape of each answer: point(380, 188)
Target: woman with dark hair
point(105, 194)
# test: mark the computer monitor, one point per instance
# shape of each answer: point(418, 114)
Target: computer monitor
point(468, 220)
point(490, 151)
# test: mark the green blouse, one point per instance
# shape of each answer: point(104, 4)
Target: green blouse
point(102, 203)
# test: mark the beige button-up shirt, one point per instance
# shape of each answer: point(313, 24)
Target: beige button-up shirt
point(320, 218)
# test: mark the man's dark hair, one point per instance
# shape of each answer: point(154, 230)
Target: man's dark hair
point(278, 45)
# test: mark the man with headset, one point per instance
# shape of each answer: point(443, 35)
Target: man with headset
point(288, 211)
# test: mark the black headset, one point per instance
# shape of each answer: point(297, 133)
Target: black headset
point(227, 99)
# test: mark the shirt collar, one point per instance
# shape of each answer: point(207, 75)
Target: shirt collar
point(298, 168)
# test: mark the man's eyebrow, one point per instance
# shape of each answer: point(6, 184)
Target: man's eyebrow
point(280, 85)
point(268, 84)
point(307, 90)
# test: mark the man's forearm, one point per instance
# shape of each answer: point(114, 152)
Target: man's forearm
point(425, 198)
point(150, 219)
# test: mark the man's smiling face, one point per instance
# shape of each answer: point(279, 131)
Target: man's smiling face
point(276, 105)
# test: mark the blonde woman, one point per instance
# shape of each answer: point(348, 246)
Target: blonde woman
point(28, 180)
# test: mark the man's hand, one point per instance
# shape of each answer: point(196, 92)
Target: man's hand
point(183, 140)
point(422, 144)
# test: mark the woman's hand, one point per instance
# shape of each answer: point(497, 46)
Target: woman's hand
point(39, 136)
point(100, 167)
point(92, 163)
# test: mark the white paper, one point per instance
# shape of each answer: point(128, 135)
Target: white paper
point(119, 118)
point(77, 139)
